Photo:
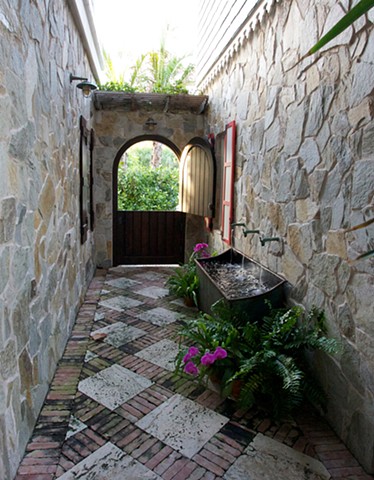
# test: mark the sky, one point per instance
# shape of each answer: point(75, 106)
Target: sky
point(129, 28)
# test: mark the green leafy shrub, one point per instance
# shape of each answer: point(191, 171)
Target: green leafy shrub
point(184, 282)
point(148, 189)
point(266, 356)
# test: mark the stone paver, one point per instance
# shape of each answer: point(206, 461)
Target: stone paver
point(115, 406)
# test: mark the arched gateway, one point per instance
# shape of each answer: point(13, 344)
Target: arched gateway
point(122, 120)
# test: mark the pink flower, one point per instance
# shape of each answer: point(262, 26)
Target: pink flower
point(191, 368)
point(192, 352)
point(208, 359)
point(220, 353)
point(200, 246)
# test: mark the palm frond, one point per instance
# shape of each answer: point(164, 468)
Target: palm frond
point(357, 11)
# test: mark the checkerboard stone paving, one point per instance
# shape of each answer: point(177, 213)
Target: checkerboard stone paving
point(116, 410)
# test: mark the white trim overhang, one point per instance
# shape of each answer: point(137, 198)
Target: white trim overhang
point(82, 14)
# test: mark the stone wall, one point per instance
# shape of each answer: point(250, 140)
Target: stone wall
point(114, 128)
point(44, 270)
point(305, 173)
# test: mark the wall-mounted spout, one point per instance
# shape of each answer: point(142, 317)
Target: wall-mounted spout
point(269, 239)
point(245, 232)
point(238, 224)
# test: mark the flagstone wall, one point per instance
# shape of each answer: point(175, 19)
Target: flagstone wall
point(305, 173)
point(44, 270)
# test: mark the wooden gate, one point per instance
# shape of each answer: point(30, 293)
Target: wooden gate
point(154, 237)
point(145, 238)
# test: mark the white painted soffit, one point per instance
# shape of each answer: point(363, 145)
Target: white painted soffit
point(251, 23)
point(82, 14)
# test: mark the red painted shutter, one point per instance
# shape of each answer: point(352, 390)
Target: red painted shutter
point(228, 181)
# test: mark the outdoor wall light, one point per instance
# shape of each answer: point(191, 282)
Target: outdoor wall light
point(86, 86)
point(150, 124)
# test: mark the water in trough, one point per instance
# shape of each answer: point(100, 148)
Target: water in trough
point(237, 280)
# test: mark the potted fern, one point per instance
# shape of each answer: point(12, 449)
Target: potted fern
point(266, 356)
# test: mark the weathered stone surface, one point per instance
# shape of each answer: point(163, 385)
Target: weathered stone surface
point(299, 238)
point(47, 199)
point(8, 360)
point(362, 72)
point(360, 294)
point(360, 433)
point(363, 183)
point(310, 154)
point(368, 141)
point(26, 375)
point(242, 104)
point(306, 210)
point(345, 321)
point(336, 244)
point(316, 181)
point(39, 202)
point(292, 269)
point(7, 219)
point(4, 267)
point(294, 130)
point(323, 273)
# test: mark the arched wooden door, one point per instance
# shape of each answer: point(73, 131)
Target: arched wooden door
point(150, 237)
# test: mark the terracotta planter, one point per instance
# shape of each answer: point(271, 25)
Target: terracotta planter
point(236, 389)
point(188, 301)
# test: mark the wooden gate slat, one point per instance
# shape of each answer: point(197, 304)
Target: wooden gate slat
point(148, 238)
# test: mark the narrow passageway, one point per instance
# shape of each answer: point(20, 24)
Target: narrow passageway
point(116, 410)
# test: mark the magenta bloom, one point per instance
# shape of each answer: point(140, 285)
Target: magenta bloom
point(220, 353)
point(191, 368)
point(208, 359)
point(192, 352)
point(200, 246)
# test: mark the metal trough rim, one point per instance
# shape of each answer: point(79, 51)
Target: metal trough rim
point(200, 262)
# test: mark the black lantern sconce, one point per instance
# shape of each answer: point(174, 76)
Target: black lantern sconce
point(150, 124)
point(86, 86)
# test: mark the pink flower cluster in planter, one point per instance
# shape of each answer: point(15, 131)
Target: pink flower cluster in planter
point(206, 360)
point(202, 250)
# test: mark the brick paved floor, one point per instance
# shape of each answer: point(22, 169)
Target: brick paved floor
point(114, 390)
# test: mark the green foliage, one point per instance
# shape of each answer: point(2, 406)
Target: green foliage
point(144, 188)
point(117, 87)
point(357, 11)
point(267, 356)
point(184, 282)
point(140, 156)
point(116, 81)
point(166, 73)
point(141, 187)
point(153, 72)
point(275, 372)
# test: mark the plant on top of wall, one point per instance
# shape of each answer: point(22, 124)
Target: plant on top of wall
point(157, 71)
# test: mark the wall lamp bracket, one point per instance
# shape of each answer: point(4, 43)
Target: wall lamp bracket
point(86, 86)
point(150, 124)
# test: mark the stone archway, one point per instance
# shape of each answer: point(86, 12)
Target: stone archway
point(120, 121)
point(143, 234)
